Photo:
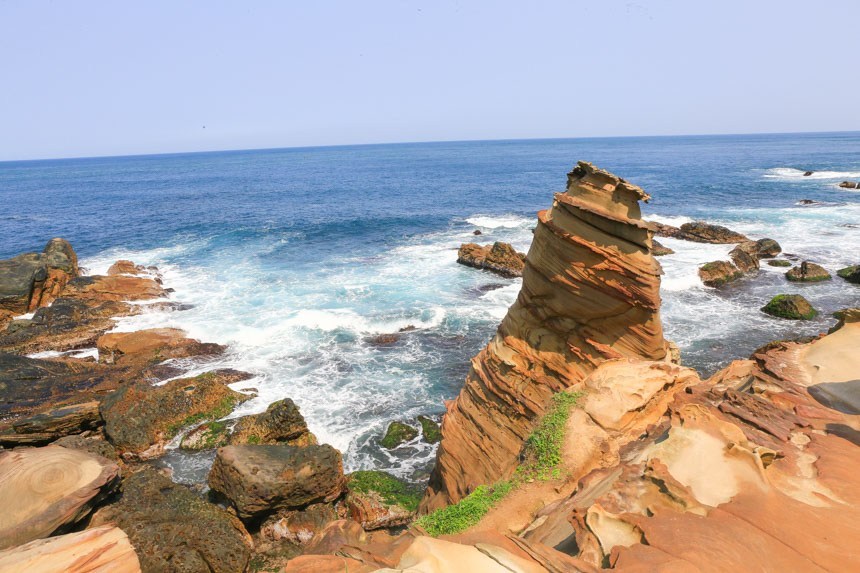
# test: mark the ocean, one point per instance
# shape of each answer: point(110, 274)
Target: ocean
point(297, 258)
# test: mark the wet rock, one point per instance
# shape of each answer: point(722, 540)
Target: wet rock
point(808, 173)
point(126, 267)
point(259, 480)
point(32, 280)
point(103, 549)
point(850, 184)
point(719, 273)
point(281, 423)
point(114, 288)
point(779, 263)
point(378, 500)
point(46, 489)
point(500, 258)
point(698, 232)
point(384, 339)
point(397, 433)
point(477, 232)
point(174, 530)
point(659, 250)
point(152, 345)
point(430, 431)
point(140, 418)
point(850, 274)
point(792, 306)
point(767, 248)
point(745, 256)
point(807, 202)
point(808, 272)
point(298, 527)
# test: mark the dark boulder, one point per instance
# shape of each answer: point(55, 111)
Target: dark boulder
point(808, 173)
point(767, 248)
point(745, 256)
point(260, 480)
point(850, 184)
point(850, 274)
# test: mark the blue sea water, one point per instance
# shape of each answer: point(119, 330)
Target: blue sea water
point(297, 258)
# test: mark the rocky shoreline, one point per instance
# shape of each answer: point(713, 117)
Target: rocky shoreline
point(578, 442)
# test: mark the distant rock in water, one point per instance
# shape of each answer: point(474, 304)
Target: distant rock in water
point(397, 433)
point(591, 292)
point(477, 232)
point(779, 263)
point(808, 173)
point(719, 273)
point(808, 272)
point(791, 306)
point(850, 274)
point(698, 232)
point(500, 258)
point(33, 280)
point(850, 184)
point(659, 250)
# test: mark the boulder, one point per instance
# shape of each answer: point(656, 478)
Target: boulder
point(719, 273)
point(376, 499)
point(397, 433)
point(126, 267)
point(430, 432)
point(32, 280)
point(791, 306)
point(46, 489)
point(745, 256)
point(174, 530)
point(140, 418)
point(808, 272)
point(767, 248)
point(590, 292)
point(102, 549)
point(659, 250)
point(779, 263)
point(298, 527)
point(850, 274)
point(152, 345)
point(259, 480)
point(850, 184)
point(500, 258)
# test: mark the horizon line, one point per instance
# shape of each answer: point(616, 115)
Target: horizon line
point(420, 142)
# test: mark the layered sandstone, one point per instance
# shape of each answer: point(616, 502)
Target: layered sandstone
point(590, 293)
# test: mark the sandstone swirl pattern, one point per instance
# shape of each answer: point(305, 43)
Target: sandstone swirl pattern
point(590, 293)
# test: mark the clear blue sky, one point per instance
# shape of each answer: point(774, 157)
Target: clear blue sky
point(111, 78)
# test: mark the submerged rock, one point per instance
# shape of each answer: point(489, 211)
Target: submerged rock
point(590, 293)
point(259, 480)
point(779, 263)
point(33, 280)
point(719, 273)
point(850, 274)
point(500, 258)
point(808, 272)
point(397, 433)
point(175, 530)
point(792, 306)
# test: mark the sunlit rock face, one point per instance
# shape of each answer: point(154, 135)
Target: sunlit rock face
point(591, 292)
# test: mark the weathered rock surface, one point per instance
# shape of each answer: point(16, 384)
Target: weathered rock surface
point(152, 345)
point(500, 258)
point(699, 232)
point(791, 306)
point(767, 248)
point(140, 418)
point(61, 421)
point(808, 272)
point(126, 267)
point(99, 550)
point(745, 256)
point(258, 480)
point(850, 274)
point(660, 250)
point(45, 489)
point(719, 273)
point(590, 293)
point(174, 530)
point(114, 288)
point(376, 499)
point(298, 527)
point(32, 280)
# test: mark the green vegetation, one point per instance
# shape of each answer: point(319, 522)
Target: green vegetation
point(392, 490)
point(779, 263)
point(543, 456)
point(791, 306)
point(254, 439)
point(430, 429)
point(396, 434)
point(223, 408)
point(469, 511)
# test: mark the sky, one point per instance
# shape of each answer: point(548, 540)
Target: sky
point(89, 78)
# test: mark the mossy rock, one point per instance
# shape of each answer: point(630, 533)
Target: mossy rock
point(392, 491)
point(430, 430)
point(808, 272)
point(779, 263)
point(719, 273)
point(791, 306)
point(206, 437)
point(850, 274)
point(397, 433)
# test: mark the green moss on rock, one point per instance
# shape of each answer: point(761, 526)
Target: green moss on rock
point(392, 490)
point(790, 306)
point(779, 263)
point(396, 434)
point(430, 430)
point(851, 274)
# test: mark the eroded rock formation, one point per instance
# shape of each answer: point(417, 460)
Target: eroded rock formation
point(590, 293)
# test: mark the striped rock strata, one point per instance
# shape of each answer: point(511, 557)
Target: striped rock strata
point(590, 293)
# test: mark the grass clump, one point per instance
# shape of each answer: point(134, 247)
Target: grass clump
point(392, 490)
point(469, 511)
point(543, 456)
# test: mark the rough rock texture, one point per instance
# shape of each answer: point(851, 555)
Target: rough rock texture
point(258, 480)
point(590, 293)
point(850, 274)
point(792, 306)
point(500, 258)
point(699, 232)
point(718, 273)
point(140, 418)
point(376, 499)
point(298, 527)
point(767, 248)
point(745, 256)
point(151, 345)
point(660, 250)
point(61, 421)
point(45, 489)
point(99, 550)
point(126, 267)
point(32, 280)
point(174, 530)
point(808, 272)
